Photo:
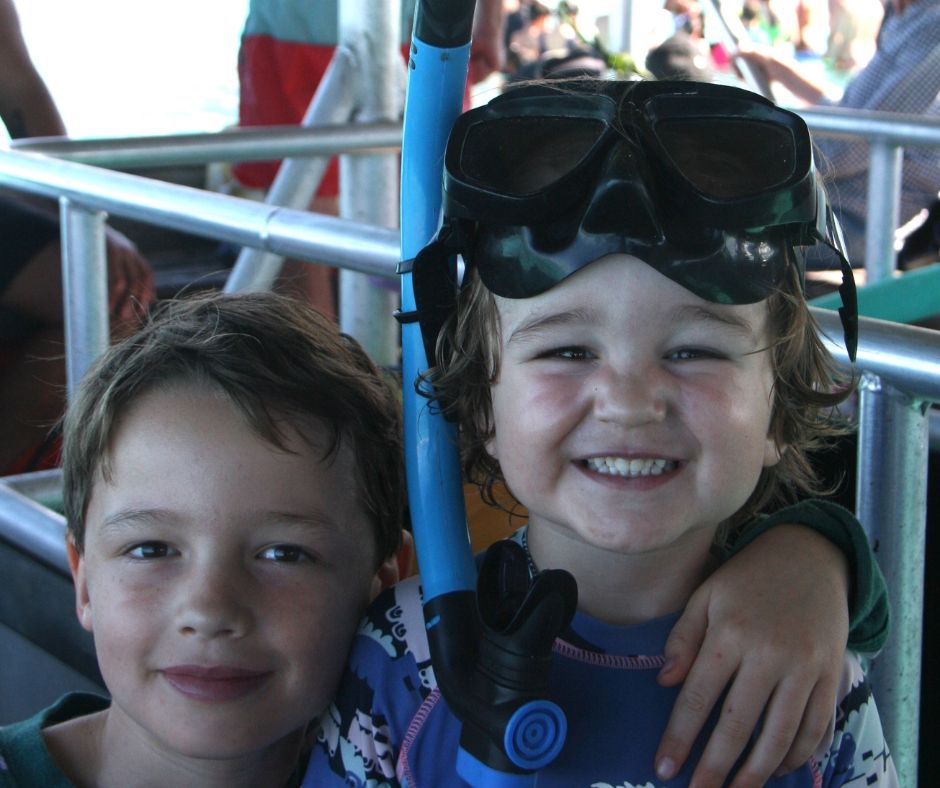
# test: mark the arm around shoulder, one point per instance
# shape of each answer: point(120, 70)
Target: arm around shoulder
point(869, 613)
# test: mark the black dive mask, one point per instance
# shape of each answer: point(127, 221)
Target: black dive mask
point(713, 186)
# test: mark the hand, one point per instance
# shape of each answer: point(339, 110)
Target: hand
point(131, 290)
point(485, 55)
point(771, 626)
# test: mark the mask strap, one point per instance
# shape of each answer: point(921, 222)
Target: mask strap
point(829, 232)
point(434, 281)
point(848, 312)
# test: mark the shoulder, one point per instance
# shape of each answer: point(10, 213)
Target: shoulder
point(394, 623)
point(24, 758)
point(388, 678)
point(856, 749)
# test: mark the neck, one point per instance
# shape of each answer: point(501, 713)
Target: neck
point(109, 750)
point(624, 589)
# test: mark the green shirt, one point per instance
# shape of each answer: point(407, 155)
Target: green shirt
point(24, 760)
point(26, 763)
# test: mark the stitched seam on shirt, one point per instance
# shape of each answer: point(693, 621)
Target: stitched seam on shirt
point(414, 728)
point(817, 775)
point(637, 662)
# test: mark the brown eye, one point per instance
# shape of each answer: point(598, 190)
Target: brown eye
point(285, 554)
point(150, 550)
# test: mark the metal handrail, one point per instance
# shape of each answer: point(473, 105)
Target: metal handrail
point(301, 234)
point(892, 127)
point(241, 144)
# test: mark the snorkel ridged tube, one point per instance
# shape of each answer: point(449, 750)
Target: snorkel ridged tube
point(508, 730)
point(437, 76)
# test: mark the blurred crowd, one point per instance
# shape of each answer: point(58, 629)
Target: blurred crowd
point(878, 55)
point(839, 34)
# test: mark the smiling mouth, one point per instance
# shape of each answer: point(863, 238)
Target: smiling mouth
point(630, 468)
point(213, 684)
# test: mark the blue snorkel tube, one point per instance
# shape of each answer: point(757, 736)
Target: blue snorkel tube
point(490, 659)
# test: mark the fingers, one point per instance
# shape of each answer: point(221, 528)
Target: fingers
point(685, 640)
point(131, 290)
point(788, 739)
point(815, 726)
point(793, 714)
point(707, 679)
point(740, 714)
point(748, 625)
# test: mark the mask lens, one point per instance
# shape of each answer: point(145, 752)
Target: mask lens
point(727, 158)
point(521, 156)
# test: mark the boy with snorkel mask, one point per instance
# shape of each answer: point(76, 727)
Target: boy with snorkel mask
point(630, 351)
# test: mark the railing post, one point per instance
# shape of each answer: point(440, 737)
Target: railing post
point(891, 502)
point(84, 288)
point(884, 189)
point(369, 183)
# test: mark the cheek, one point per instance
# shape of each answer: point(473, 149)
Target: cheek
point(317, 614)
point(527, 411)
point(126, 611)
point(736, 420)
point(315, 639)
point(128, 627)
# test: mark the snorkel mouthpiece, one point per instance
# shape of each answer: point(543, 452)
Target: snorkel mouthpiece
point(496, 682)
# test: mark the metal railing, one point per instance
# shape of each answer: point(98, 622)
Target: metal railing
point(887, 135)
point(900, 364)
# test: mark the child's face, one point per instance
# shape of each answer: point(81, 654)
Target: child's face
point(222, 578)
point(630, 414)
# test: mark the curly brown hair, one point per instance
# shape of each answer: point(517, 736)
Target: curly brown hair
point(806, 391)
point(275, 359)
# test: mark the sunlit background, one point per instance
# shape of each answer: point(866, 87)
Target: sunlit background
point(126, 67)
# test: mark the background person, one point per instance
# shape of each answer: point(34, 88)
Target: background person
point(32, 374)
point(902, 76)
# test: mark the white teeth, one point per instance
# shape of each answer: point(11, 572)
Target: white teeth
point(620, 466)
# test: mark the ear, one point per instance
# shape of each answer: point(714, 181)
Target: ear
point(396, 567)
point(773, 452)
point(404, 558)
point(490, 447)
point(82, 598)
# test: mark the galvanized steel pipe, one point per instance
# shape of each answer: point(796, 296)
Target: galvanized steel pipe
point(891, 503)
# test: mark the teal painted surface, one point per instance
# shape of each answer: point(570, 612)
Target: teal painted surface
point(914, 295)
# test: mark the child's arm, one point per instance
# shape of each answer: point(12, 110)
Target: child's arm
point(754, 628)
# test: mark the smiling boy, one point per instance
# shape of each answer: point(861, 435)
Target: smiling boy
point(644, 446)
point(631, 352)
point(233, 488)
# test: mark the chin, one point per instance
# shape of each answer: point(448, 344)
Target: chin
point(637, 541)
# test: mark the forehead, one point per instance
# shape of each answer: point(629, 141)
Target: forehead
point(187, 446)
point(623, 287)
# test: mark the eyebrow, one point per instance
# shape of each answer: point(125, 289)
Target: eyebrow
point(123, 517)
point(696, 313)
point(532, 326)
point(315, 520)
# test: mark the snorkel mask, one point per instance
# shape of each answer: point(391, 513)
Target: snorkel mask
point(713, 186)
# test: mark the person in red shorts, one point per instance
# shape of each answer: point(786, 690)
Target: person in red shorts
point(285, 50)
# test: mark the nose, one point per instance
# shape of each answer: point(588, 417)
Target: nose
point(631, 395)
point(213, 602)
